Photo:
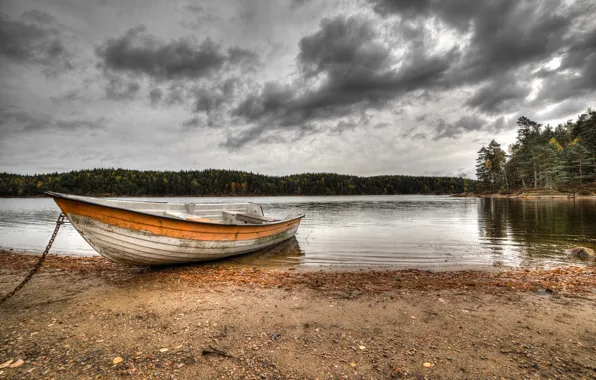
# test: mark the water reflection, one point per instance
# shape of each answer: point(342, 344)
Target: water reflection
point(536, 231)
point(287, 254)
point(397, 231)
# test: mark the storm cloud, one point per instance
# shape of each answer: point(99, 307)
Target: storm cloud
point(371, 87)
point(15, 121)
point(508, 39)
point(34, 39)
point(138, 52)
point(353, 69)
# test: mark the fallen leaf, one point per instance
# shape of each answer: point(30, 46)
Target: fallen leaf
point(6, 364)
point(18, 363)
point(117, 360)
point(352, 364)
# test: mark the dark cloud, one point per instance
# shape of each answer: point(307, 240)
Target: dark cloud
point(17, 120)
point(260, 134)
point(499, 95)
point(341, 46)
point(177, 94)
point(119, 89)
point(193, 122)
point(208, 101)
point(238, 55)
point(298, 3)
point(467, 123)
point(193, 8)
point(138, 52)
point(569, 108)
point(356, 72)
point(381, 125)
point(576, 76)
point(35, 39)
point(229, 86)
point(14, 121)
point(510, 34)
point(75, 124)
point(507, 39)
point(38, 16)
point(273, 99)
point(68, 97)
point(155, 96)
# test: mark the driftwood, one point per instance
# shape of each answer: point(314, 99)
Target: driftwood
point(215, 351)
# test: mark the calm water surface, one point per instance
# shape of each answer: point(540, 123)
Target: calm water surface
point(411, 231)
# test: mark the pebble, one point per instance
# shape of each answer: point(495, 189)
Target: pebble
point(18, 363)
point(6, 364)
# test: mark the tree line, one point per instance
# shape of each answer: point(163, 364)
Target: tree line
point(211, 182)
point(542, 157)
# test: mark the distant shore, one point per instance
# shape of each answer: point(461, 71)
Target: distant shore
point(88, 317)
point(227, 196)
point(531, 194)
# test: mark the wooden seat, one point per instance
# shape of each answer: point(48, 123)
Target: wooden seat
point(254, 218)
point(187, 216)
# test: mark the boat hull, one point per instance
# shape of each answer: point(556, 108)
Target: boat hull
point(134, 238)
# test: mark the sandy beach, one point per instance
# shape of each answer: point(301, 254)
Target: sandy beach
point(87, 318)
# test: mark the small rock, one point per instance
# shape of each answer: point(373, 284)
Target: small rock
point(18, 363)
point(117, 360)
point(6, 364)
point(352, 364)
point(428, 365)
point(163, 350)
point(581, 252)
point(362, 347)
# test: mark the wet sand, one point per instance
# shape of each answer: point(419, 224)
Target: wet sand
point(80, 316)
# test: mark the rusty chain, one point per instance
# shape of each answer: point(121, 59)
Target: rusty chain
point(59, 222)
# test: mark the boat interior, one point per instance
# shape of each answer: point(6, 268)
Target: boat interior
point(217, 213)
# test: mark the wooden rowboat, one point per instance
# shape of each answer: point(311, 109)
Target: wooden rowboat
point(162, 233)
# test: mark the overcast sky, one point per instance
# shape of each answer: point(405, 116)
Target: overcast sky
point(278, 87)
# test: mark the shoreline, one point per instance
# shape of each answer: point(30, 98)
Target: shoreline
point(87, 317)
point(230, 196)
point(529, 195)
point(522, 279)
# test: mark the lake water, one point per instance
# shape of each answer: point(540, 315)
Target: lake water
point(411, 231)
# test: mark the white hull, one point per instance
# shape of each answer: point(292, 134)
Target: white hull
point(133, 247)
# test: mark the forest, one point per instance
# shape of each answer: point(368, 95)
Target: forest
point(542, 157)
point(212, 182)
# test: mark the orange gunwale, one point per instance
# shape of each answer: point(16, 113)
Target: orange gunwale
point(167, 226)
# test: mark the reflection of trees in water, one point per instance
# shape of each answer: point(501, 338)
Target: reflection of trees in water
point(493, 219)
point(537, 228)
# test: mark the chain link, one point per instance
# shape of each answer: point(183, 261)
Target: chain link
point(59, 222)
